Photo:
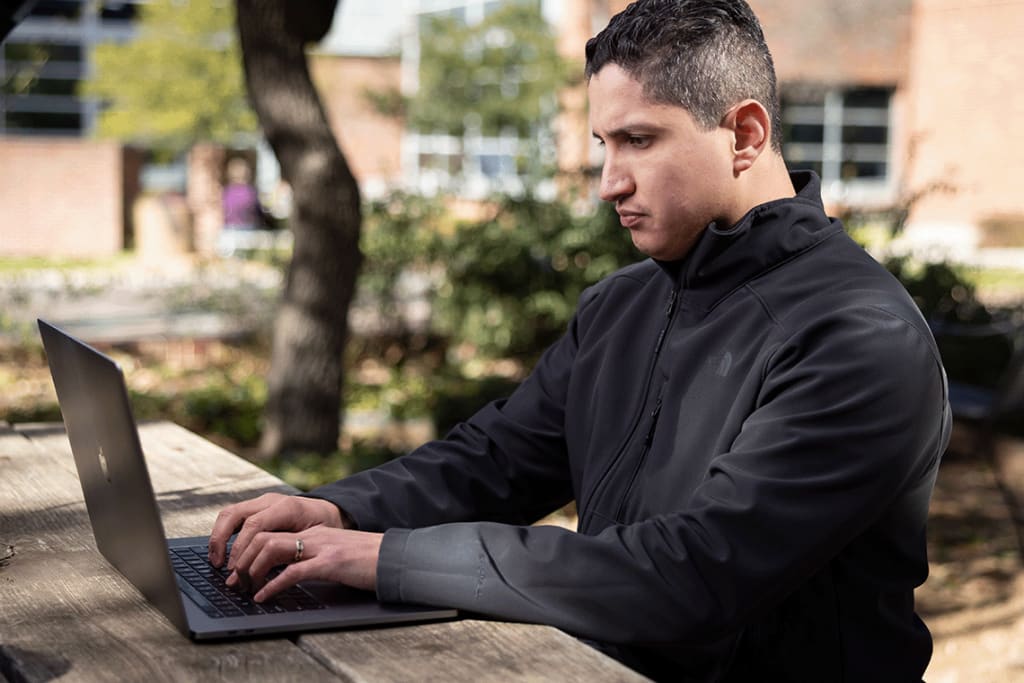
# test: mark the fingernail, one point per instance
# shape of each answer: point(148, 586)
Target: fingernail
point(232, 580)
point(258, 597)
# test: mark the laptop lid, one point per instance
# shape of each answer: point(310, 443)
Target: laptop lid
point(125, 517)
point(118, 493)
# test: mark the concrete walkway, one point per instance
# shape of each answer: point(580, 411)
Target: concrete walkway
point(136, 301)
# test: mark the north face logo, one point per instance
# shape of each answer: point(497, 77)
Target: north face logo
point(720, 364)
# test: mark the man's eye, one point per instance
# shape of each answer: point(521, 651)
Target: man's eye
point(637, 141)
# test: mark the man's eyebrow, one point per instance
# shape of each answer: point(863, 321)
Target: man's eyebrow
point(630, 129)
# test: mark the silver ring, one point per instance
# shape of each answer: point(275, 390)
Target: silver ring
point(299, 547)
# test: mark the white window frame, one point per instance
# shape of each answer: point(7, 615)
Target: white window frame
point(471, 182)
point(832, 114)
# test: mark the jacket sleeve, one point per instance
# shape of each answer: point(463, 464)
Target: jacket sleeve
point(848, 428)
point(507, 463)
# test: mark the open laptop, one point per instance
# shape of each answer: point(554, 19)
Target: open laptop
point(174, 574)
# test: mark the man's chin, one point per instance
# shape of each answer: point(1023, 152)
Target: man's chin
point(657, 252)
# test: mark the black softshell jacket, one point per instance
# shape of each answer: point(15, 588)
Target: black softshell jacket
point(751, 435)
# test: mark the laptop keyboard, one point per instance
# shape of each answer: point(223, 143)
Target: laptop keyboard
point(205, 585)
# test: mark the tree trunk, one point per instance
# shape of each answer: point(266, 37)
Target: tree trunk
point(306, 373)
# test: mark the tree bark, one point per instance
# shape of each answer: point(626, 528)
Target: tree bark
point(306, 375)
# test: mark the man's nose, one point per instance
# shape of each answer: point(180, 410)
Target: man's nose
point(616, 183)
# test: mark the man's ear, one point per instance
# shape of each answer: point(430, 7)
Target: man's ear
point(752, 130)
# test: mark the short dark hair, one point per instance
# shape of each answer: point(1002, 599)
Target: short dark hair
point(703, 55)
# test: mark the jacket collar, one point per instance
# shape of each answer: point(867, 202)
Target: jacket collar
point(723, 260)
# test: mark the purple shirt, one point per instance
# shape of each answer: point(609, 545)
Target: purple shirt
point(240, 207)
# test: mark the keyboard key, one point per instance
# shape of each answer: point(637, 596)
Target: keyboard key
point(206, 586)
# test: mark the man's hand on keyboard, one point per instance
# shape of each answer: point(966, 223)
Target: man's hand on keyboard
point(320, 552)
point(269, 512)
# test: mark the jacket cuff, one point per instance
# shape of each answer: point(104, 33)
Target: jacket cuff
point(389, 565)
point(440, 565)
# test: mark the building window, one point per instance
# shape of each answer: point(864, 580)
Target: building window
point(473, 165)
point(468, 157)
point(843, 134)
point(45, 57)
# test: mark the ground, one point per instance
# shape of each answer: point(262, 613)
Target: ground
point(973, 601)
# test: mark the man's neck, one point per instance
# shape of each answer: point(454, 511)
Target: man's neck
point(764, 182)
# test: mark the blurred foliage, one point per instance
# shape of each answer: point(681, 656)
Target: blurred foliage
point(177, 82)
point(400, 235)
point(975, 348)
point(460, 397)
point(944, 291)
point(500, 74)
point(505, 285)
point(497, 77)
point(976, 341)
point(309, 470)
point(512, 281)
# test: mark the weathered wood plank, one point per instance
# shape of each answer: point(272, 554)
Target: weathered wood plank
point(40, 498)
point(468, 650)
point(194, 479)
point(65, 611)
point(70, 613)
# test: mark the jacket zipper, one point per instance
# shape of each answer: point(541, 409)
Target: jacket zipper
point(640, 460)
point(670, 310)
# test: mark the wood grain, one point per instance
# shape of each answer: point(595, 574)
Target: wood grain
point(470, 650)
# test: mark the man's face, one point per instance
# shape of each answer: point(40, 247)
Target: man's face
point(667, 176)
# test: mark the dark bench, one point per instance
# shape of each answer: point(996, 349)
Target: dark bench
point(988, 408)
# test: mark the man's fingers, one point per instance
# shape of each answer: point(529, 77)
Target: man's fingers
point(269, 512)
point(228, 521)
point(266, 551)
point(291, 575)
point(233, 518)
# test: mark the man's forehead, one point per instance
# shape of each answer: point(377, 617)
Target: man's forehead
point(618, 102)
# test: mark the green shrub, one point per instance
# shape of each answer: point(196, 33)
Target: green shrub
point(512, 282)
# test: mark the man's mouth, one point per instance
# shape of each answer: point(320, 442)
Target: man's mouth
point(629, 219)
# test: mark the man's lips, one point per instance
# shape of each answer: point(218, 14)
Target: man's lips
point(629, 219)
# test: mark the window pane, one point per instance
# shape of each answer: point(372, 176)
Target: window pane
point(861, 170)
point(36, 52)
point(117, 10)
point(874, 135)
point(494, 165)
point(48, 121)
point(69, 9)
point(804, 133)
point(877, 98)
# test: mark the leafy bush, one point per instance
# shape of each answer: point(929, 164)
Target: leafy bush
point(943, 291)
point(310, 470)
point(974, 350)
point(507, 284)
point(231, 410)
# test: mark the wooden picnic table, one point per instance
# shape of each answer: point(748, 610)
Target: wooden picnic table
point(66, 612)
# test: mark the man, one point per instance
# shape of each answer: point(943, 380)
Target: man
point(750, 421)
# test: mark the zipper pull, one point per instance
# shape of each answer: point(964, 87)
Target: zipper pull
point(671, 303)
point(669, 310)
point(654, 423)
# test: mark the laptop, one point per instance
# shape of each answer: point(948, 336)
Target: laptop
point(174, 574)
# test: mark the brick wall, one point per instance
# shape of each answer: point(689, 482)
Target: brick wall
point(966, 108)
point(864, 42)
point(62, 197)
point(371, 142)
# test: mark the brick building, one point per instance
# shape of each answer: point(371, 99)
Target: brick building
point(894, 102)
